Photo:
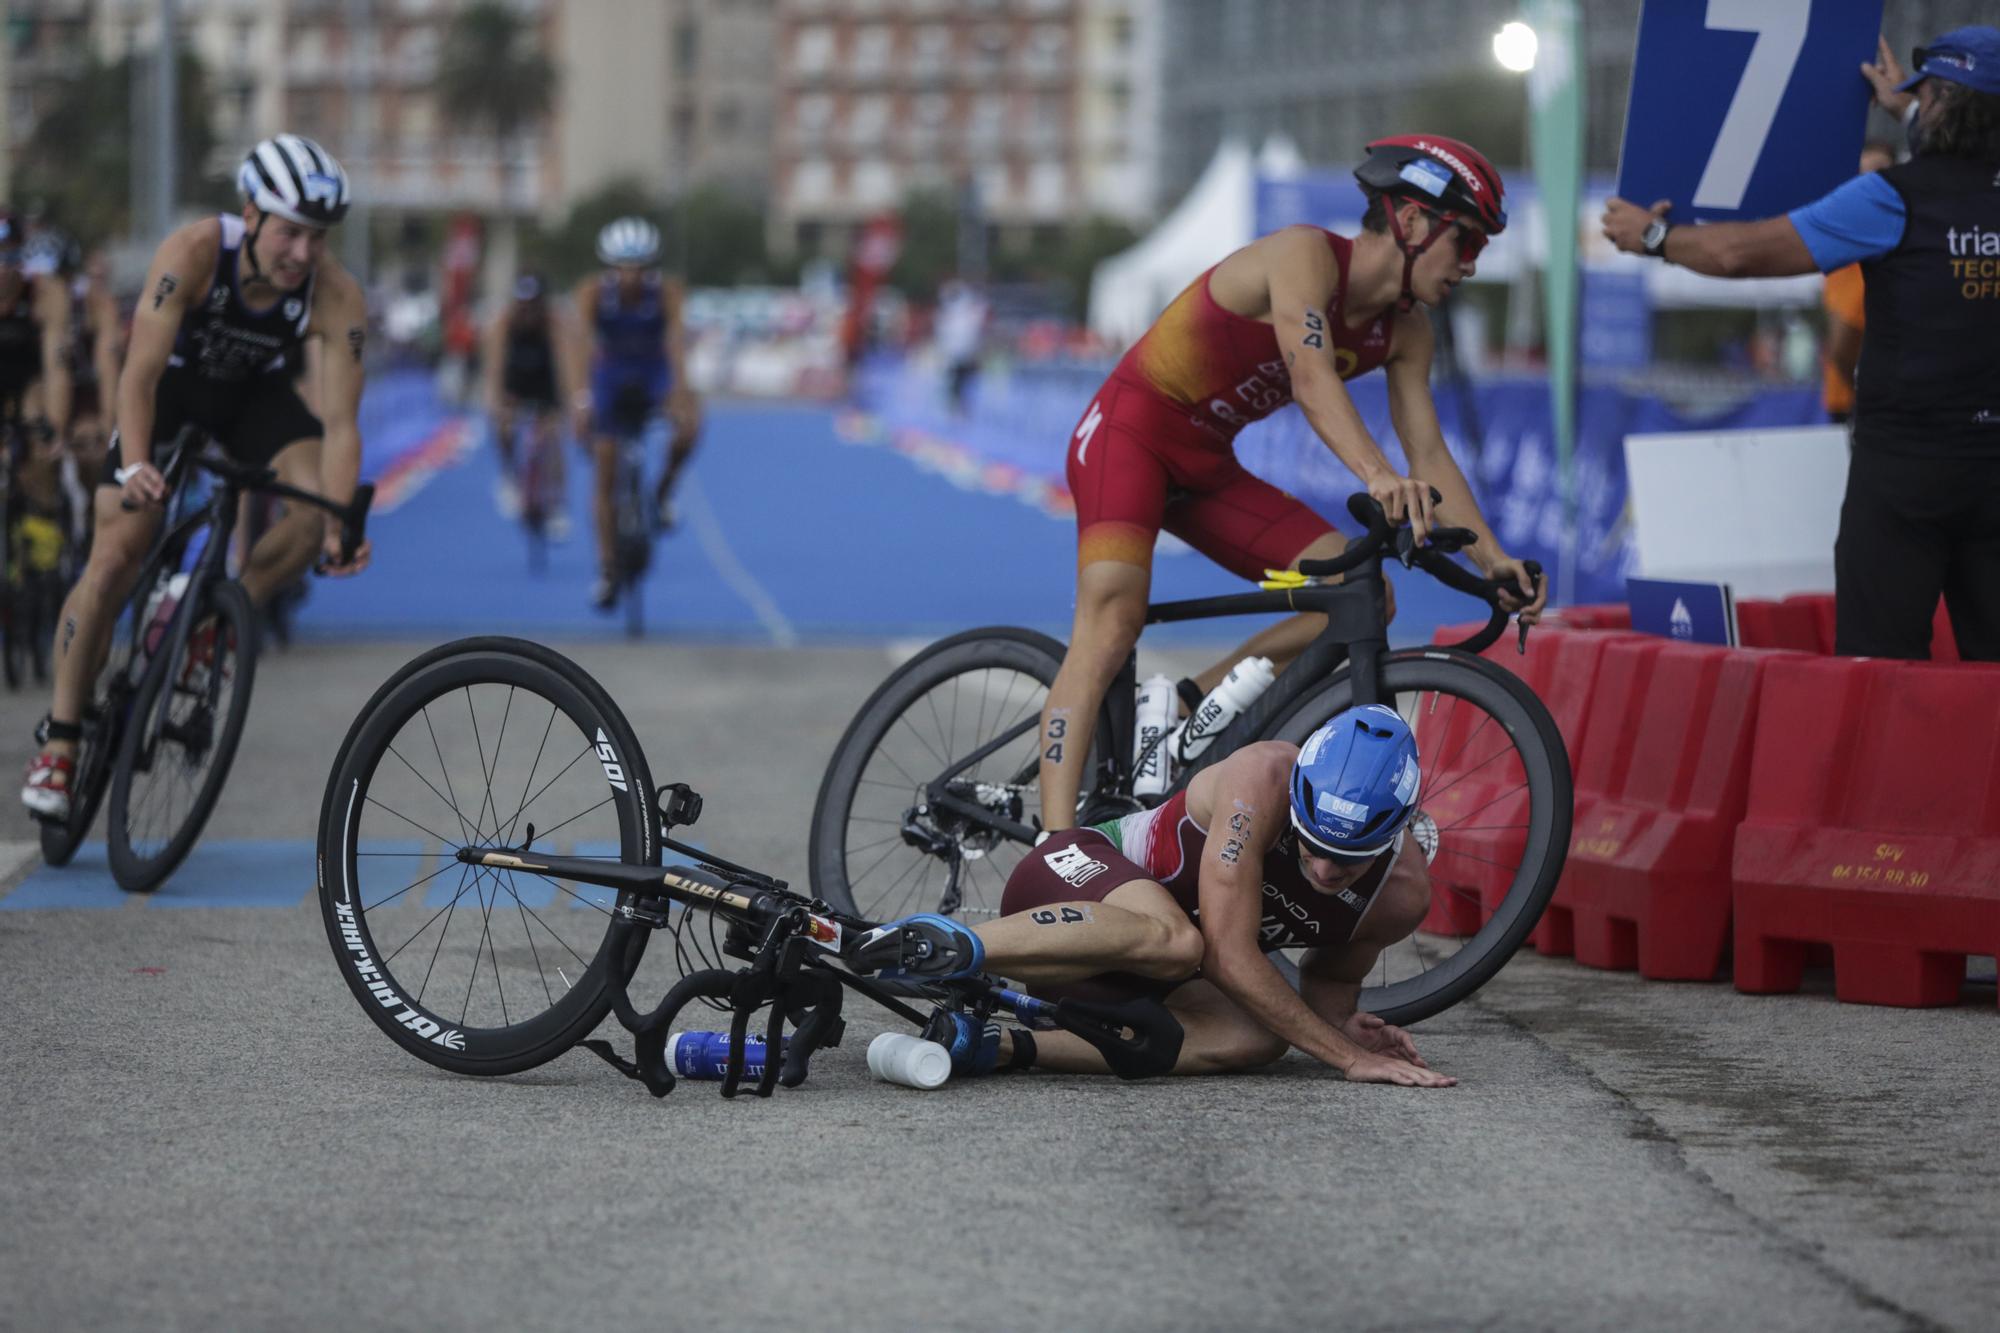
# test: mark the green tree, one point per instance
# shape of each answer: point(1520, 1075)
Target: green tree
point(930, 244)
point(78, 158)
point(718, 237)
point(492, 77)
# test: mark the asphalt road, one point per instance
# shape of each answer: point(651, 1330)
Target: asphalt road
point(200, 1128)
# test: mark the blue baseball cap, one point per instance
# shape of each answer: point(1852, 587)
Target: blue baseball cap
point(1970, 56)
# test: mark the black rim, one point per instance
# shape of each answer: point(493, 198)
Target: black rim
point(897, 848)
point(493, 960)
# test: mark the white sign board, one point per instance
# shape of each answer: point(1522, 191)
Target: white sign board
point(1756, 509)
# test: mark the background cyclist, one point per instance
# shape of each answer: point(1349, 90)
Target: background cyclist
point(631, 353)
point(1291, 315)
point(34, 339)
point(526, 356)
point(228, 307)
point(1278, 846)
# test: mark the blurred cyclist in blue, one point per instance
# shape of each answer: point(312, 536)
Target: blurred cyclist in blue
point(1922, 512)
point(632, 355)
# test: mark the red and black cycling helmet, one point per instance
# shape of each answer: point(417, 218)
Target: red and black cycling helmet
point(1450, 179)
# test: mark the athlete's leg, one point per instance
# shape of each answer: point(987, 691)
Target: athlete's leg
point(1110, 612)
point(684, 416)
point(83, 631)
point(1218, 1037)
point(1136, 928)
point(604, 452)
point(292, 542)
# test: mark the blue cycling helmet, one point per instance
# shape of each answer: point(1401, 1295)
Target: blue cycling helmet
point(1354, 786)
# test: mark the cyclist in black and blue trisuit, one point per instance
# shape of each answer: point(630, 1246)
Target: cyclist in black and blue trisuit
point(525, 359)
point(218, 341)
point(631, 356)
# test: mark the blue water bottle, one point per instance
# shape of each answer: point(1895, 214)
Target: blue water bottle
point(703, 1055)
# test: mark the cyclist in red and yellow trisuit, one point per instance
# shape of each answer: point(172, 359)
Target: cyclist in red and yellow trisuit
point(1287, 317)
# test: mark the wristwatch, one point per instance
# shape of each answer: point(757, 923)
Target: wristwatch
point(1654, 239)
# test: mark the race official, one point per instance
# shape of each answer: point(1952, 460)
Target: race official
point(1922, 512)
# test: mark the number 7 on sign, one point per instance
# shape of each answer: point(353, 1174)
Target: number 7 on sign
point(1780, 26)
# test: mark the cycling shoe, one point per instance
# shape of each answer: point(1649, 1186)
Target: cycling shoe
point(925, 947)
point(974, 1046)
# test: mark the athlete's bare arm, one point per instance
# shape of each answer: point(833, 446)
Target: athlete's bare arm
point(1302, 278)
point(182, 269)
point(1414, 413)
point(492, 356)
point(339, 323)
point(583, 349)
point(682, 407)
point(52, 311)
point(1330, 978)
point(104, 348)
point(1246, 815)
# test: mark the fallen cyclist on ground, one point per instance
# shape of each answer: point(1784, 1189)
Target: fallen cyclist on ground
point(1278, 846)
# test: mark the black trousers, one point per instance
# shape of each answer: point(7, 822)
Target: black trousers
point(1912, 528)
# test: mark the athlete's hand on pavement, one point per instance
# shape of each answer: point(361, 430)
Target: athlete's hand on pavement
point(329, 555)
point(1532, 596)
point(1375, 1068)
point(1371, 1033)
point(1883, 74)
point(1625, 223)
point(1405, 500)
point(144, 487)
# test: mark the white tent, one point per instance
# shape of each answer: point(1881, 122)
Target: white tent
point(1128, 290)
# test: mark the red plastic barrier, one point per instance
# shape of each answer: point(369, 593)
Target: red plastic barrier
point(1660, 789)
point(1474, 786)
point(1819, 605)
point(1602, 615)
point(1873, 825)
point(1786, 624)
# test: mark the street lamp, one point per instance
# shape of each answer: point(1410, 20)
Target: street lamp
point(1514, 47)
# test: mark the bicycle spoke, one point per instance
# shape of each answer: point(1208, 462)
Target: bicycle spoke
point(529, 781)
point(444, 770)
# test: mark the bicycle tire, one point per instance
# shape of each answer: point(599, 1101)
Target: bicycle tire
point(1001, 648)
point(142, 869)
point(1406, 675)
point(427, 1031)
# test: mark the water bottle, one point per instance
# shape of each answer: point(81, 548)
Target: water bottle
point(703, 1055)
point(160, 604)
point(1154, 715)
point(1238, 690)
point(898, 1057)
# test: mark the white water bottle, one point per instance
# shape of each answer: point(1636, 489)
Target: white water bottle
point(1238, 690)
point(1155, 713)
point(911, 1061)
point(160, 604)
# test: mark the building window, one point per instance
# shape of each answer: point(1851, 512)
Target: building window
point(868, 121)
point(931, 53)
point(811, 115)
point(812, 50)
point(687, 46)
point(873, 184)
point(872, 46)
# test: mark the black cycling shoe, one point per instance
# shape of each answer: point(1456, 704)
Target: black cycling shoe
point(926, 946)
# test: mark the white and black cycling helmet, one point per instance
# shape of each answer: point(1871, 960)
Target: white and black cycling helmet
point(293, 177)
point(628, 241)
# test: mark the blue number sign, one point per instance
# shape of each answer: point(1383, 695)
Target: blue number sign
point(1746, 108)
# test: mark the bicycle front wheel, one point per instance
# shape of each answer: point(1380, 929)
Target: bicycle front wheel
point(880, 846)
point(487, 742)
point(1493, 815)
point(168, 777)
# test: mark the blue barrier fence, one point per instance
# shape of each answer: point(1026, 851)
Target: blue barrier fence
point(1024, 415)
